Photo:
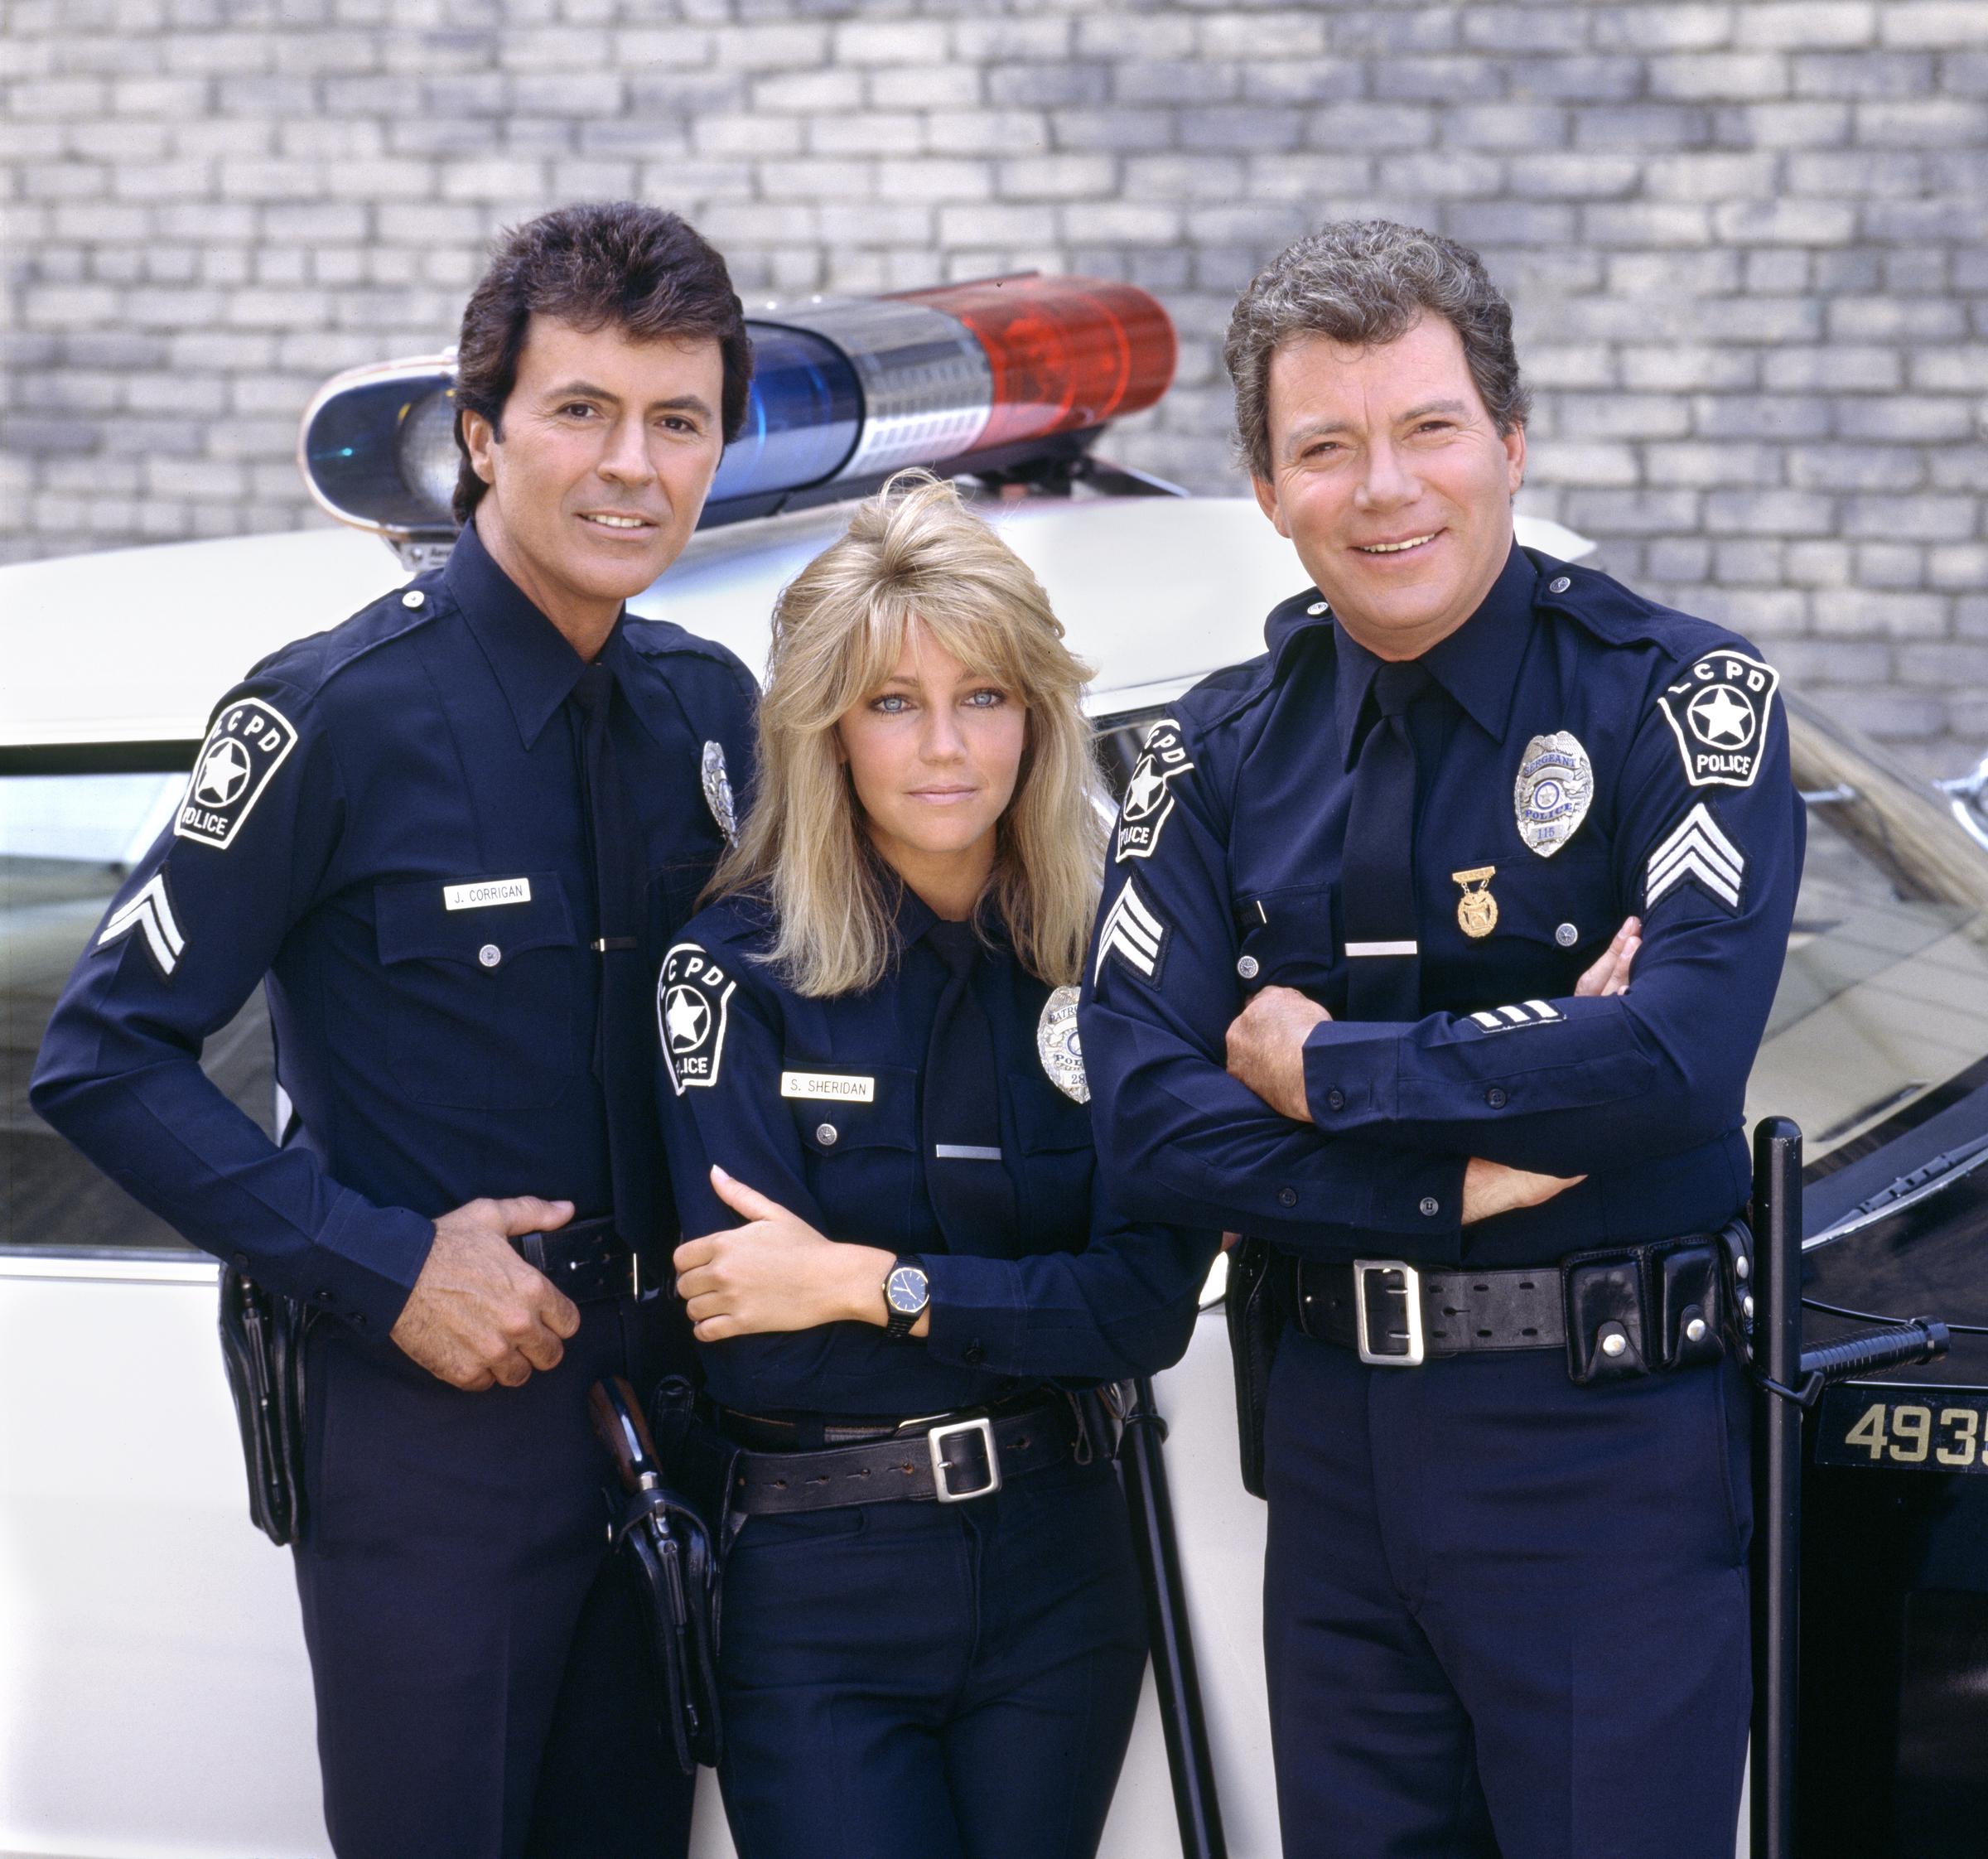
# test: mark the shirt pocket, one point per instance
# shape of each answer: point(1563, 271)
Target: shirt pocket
point(1053, 1168)
point(1288, 938)
point(480, 1003)
point(861, 1157)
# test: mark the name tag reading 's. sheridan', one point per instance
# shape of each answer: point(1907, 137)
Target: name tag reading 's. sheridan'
point(480, 895)
point(844, 1085)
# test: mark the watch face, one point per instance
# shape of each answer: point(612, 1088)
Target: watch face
point(907, 1290)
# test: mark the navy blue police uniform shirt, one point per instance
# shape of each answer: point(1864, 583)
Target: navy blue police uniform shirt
point(1583, 756)
point(817, 1104)
point(388, 821)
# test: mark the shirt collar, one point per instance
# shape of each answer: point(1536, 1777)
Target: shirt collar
point(1476, 664)
point(535, 666)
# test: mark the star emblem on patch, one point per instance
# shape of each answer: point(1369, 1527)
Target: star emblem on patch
point(1718, 710)
point(693, 997)
point(250, 739)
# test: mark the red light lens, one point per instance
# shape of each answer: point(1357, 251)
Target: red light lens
point(1067, 353)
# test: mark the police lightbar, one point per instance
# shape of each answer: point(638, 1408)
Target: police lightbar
point(987, 376)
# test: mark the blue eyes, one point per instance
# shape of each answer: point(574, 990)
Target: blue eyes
point(895, 703)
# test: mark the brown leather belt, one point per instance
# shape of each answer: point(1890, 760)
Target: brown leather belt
point(1397, 1314)
point(945, 1458)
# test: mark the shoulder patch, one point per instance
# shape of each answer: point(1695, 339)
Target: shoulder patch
point(249, 742)
point(148, 910)
point(1718, 710)
point(1133, 932)
point(693, 999)
point(1696, 850)
point(1149, 794)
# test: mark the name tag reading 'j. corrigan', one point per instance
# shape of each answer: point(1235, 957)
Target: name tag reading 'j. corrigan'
point(846, 1086)
point(485, 892)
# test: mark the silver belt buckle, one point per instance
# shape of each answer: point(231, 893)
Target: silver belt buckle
point(940, 1488)
point(1411, 1289)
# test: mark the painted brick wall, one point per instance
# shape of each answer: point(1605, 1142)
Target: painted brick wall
point(1745, 241)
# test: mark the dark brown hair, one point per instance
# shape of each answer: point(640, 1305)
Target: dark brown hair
point(644, 269)
point(1364, 282)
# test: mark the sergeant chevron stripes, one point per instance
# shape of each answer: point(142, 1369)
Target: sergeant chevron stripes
point(1133, 934)
point(149, 910)
point(1696, 850)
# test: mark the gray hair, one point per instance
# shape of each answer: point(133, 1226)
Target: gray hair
point(1365, 281)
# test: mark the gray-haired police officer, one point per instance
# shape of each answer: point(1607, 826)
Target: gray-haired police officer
point(455, 834)
point(1506, 1598)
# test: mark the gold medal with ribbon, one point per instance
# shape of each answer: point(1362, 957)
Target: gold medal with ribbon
point(1477, 909)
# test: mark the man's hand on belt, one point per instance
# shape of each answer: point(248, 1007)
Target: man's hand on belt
point(478, 1314)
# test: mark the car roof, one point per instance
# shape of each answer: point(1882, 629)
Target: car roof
point(137, 645)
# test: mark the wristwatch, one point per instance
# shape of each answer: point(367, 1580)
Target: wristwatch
point(906, 1293)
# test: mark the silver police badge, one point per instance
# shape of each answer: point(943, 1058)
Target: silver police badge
point(717, 792)
point(1550, 798)
point(1061, 1050)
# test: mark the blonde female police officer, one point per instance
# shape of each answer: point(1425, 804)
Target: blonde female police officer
point(873, 1108)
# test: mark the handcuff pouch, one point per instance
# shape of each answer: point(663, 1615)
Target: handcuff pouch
point(1606, 1330)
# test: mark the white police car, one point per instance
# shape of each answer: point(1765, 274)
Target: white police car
point(154, 1697)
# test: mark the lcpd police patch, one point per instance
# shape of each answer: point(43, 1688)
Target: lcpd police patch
point(1718, 711)
point(244, 748)
point(1149, 794)
point(693, 996)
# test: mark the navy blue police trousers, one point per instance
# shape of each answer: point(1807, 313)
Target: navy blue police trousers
point(919, 1681)
point(1505, 1617)
point(483, 1685)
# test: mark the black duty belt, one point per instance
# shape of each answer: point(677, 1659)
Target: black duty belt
point(587, 1259)
point(943, 1458)
point(1397, 1314)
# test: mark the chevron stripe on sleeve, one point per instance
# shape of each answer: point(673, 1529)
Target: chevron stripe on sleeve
point(1696, 851)
point(1133, 932)
point(150, 910)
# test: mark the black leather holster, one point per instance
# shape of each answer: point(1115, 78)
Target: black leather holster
point(262, 1351)
point(1258, 1306)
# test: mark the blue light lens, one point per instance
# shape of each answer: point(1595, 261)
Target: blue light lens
point(801, 419)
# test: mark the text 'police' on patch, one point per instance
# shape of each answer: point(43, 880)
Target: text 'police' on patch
point(247, 744)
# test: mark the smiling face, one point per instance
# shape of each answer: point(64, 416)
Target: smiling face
point(1391, 481)
point(934, 755)
point(609, 446)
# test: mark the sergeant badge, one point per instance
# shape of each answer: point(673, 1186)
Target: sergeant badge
point(1149, 794)
point(693, 996)
point(1477, 909)
point(717, 792)
point(1718, 711)
point(1061, 1050)
point(246, 746)
point(1550, 798)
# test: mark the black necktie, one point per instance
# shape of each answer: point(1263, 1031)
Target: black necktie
point(621, 1057)
point(1377, 889)
point(971, 1192)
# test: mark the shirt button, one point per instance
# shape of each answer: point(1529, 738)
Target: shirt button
point(1335, 1098)
point(1495, 1096)
point(323, 1298)
point(974, 1354)
point(1287, 1197)
point(489, 955)
point(241, 1262)
point(826, 1134)
point(1559, 584)
point(1316, 608)
point(1431, 1207)
point(1246, 968)
point(413, 597)
point(1566, 935)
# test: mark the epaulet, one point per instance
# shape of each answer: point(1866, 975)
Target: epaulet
point(308, 664)
point(1226, 693)
point(664, 638)
point(1618, 615)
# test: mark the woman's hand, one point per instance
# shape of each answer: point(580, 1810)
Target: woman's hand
point(776, 1273)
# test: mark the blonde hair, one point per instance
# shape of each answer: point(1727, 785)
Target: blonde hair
point(914, 552)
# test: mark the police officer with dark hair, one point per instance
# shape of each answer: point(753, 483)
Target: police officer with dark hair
point(1435, 952)
point(452, 838)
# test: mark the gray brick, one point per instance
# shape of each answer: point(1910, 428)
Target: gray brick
point(1719, 77)
point(1318, 80)
point(1759, 613)
point(1798, 25)
point(1255, 127)
point(1863, 74)
point(1864, 467)
point(1960, 468)
point(1645, 223)
point(1944, 23)
point(1704, 466)
point(1961, 567)
point(1643, 126)
point(1799, 125)
point(1678, 558)
point(1371, 129)
point(1771, 513)
point(932, 179)
point(1890, 565)
point(1294, 34)
point(1832, 369)
point(1048, 86)
point(1633, 512)
point(1520, 127)
point(1917, 419)
point(1884, 613)
point(1662, 28)
point(1587, 80)
point(1924, 517)
point(1673, 274)
point(1537, 29)
point(1950, 370)
point(1924, 123)
point(924, 87)
point(1820, 564)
